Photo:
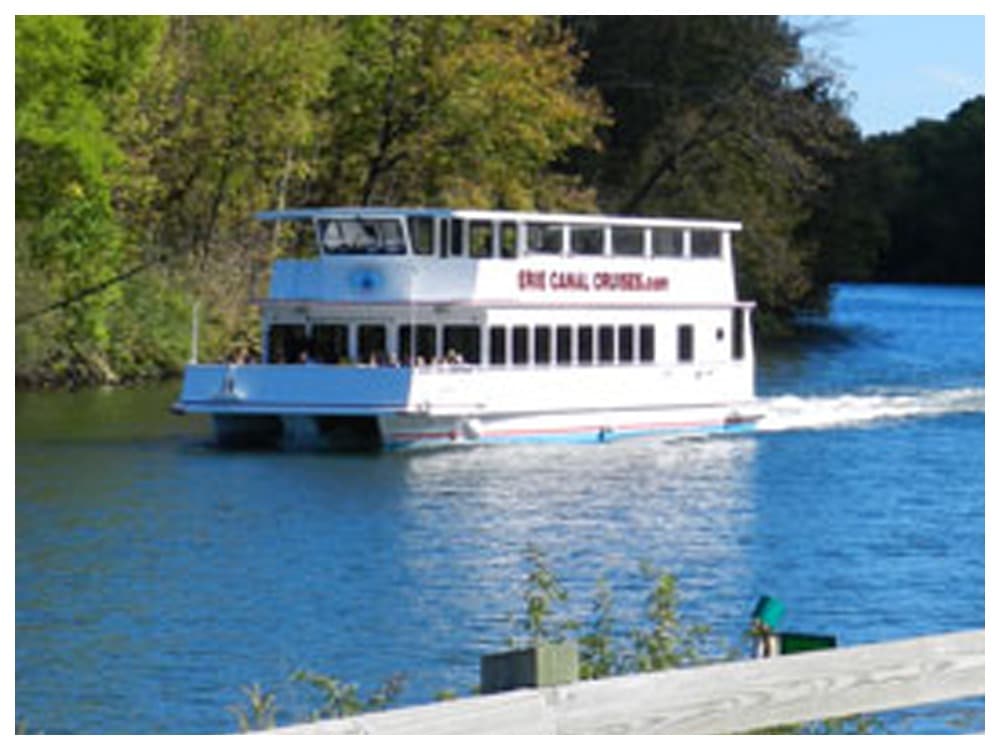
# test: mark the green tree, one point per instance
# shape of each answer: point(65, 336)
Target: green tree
point(717, 116)
point(937, 223)
point(908, 206)
point(223, 129)
point(69, 74)
point(453, 110)
point(223, 126)
point(146, 144)
point(848, 221)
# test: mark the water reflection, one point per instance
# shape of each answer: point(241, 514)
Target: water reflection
point(596, 510)
point(418, 554)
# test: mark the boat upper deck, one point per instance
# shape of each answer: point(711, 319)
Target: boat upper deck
point(433, 256)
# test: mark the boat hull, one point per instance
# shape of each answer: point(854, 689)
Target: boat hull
point(413, 432)
point(399, 408)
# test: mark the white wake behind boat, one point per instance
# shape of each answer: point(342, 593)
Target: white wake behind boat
point(432, 327)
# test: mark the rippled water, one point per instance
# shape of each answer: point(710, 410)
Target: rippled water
point(156, 576)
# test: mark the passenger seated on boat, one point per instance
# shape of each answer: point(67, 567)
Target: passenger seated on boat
point(453, 358)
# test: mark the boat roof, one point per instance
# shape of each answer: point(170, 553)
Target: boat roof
point(387, 212)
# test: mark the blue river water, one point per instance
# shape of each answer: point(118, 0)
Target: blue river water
point(157, 578)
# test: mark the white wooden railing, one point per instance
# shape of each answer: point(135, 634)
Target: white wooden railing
point(732, 697)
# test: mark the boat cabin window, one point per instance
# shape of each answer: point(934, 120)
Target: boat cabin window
point(685, 343)
point(498, 345)
point(461, 344)
point(587, 240)
point(371, 344)
point(627, 240)
point(422, 234)
point(705, 244)
point(543, 345)
point(739, 334)
point(452, 246)
point(361, 236)
point(647, 344)
point(286, 343)
point(564, 345)
point(668, 242)
point(626, 344)
point(425, 343)
point(508, 240)
point(480, 239)
point(606, 343)
point(330, 343)
point(519, 345)
point(545, 238)
point(585, 345)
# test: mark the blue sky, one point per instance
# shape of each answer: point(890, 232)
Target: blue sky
point(901, 68)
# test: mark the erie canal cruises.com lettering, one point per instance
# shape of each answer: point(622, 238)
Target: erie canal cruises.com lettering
point(598, 281)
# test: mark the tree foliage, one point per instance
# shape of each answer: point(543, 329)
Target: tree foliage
point(143, 146)
point(717, 116)
point(148, 143)
point(453, 111)
point(70, 73)
point(909, 206)
point(224, 123)
point(936, 202)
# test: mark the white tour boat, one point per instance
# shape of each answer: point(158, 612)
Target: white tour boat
point(434, 327)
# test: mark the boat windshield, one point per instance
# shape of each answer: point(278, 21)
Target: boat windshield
point(361, 236)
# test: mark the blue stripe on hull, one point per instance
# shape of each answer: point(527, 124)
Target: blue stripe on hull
point(573, 438)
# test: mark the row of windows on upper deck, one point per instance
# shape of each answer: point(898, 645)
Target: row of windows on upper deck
point(481, 239)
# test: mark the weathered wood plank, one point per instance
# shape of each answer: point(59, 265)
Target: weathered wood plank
point(516, 712)
point(722, 698)
point(750, 695)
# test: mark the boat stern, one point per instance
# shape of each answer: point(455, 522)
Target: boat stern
point(323, 406)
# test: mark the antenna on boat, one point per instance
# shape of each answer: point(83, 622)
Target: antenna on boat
point(194, 332)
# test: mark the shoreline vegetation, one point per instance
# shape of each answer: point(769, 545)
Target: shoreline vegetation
point(144, 145)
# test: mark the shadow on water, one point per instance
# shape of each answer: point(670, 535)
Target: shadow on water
point(812, 336)
point(810, 332)
point(105, 414)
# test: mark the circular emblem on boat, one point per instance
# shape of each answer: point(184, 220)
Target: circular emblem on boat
point(365, 280)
